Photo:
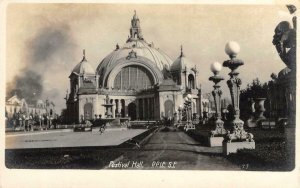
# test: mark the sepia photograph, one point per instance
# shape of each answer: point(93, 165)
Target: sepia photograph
point(150, 86)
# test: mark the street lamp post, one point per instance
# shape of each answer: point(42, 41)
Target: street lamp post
point(217, 93)
point(24, 122)
point(188, 111)
point(40, 121)
point(238, 133)
point(180, 108)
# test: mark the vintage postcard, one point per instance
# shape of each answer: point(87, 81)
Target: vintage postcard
point(149, 89)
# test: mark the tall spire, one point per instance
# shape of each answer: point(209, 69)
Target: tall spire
point(135, 30)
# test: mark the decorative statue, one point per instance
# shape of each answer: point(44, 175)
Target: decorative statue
point(284, 40)
point(107, 99)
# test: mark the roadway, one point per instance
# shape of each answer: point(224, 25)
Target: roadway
point(175, 150)
point(68, 138)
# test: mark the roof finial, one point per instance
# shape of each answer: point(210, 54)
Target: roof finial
point(135, 29)
point(181, 51)
point(83, 59)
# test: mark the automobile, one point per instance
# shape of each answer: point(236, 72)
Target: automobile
point(282, 123)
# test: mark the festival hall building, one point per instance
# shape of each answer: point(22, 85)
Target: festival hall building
point(141, 81)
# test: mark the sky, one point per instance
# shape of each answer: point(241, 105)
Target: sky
point(44, 42)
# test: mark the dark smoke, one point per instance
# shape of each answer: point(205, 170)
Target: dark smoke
point(49, 47)
point(50, 42)
point(27, 85)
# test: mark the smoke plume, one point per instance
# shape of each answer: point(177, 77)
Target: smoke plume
point(50, 48)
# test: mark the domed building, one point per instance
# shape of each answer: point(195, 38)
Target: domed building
point(141, 81)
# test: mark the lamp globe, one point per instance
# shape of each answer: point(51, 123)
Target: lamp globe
point(232, 48)
point(216, 67)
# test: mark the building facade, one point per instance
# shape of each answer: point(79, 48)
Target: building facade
point(141, 81)
point(18, 109)
point(15, 105)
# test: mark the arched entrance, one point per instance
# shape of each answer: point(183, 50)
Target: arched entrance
point(132, 111)
point(169, 106)
point(191, 82)
point(88, 110)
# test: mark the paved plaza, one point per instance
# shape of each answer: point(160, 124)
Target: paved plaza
point(68, 138)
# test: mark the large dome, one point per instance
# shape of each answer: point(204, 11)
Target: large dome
point(141, 49)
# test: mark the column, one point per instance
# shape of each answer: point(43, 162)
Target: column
point(118, 103)
point(96, 81)
point(126, 108)
point(144, 109)
point(150, 108)
point(161, 106)
point(185, 79)
point(154, 106)
point(113, 109)
point(137, 108)
point(196, 82)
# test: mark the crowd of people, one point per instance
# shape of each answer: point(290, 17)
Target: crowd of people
point(29, 122)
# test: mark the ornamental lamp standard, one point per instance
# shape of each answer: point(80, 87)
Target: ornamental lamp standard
point(188, 111)
point(232, 48)
point(188, 102)
point(24, 122)
point(180, 108)
point(216, 67)
point(40, 121)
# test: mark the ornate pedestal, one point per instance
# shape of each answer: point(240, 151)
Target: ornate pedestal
point(215, 141)
point(217, 136)
point(238, 139)
point(233, 147)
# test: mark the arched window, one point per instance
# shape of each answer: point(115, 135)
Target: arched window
point(191, 82)
point(133, 77)
point(88, 110)
point(169, 106)
point(74, 86)
point(132, 111)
